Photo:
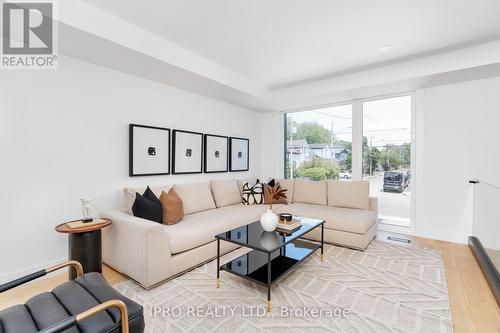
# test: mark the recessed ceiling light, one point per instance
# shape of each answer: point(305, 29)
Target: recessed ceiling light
point(384, 48)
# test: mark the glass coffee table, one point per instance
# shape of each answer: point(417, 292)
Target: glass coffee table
point(273, 253)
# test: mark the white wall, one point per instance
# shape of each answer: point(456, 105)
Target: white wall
point(271, 144)
point(460, 138)
point(64, 135)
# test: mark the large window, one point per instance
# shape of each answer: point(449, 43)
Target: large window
point(319, 143)
point(373, 135)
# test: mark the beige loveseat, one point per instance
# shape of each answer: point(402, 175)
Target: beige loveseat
point(150, 253)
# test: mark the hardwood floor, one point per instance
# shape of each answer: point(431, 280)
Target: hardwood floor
point(474, 310)
point(473, 307)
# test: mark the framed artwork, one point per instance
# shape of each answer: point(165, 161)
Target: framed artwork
point(239, 154)
point(149, 150)
point(216, 153)
point(187, 152)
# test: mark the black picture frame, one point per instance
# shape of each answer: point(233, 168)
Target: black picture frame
point(131, 171)
point(174, 149)
point(206, 155)
point(232, 167)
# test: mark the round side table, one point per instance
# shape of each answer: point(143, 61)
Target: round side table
point(84, 245)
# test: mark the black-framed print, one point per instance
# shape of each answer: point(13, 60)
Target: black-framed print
point(239, 155)
point(216, 149)
point(187, 152)
point(149, 150)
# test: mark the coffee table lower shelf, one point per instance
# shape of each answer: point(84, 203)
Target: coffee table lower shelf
point(253, 265)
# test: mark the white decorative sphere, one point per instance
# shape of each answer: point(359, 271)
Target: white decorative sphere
point(269, 221)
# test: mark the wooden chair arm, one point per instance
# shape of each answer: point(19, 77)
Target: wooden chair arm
point(40, 273)
point(74, 320)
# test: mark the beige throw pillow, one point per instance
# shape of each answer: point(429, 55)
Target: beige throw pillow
point(171, 203)
point(349, 194)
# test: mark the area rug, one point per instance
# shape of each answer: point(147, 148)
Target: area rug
point(386, 288)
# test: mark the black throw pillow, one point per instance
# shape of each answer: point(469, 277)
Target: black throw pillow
point(147, 209)
point(272, 183)
point(148, 194)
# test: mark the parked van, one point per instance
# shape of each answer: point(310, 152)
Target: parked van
point(395, 181)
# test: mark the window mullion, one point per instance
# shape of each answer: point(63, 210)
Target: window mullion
point(357, 140)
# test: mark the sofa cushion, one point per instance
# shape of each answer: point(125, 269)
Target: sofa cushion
point(173, 210)
point(349, 194)
point(225, 192)
point(130, 192)
point(281, 208)
point(310, 192)
point(200, 228)
point(251, 212)
point(195, 197)
point(357, 221)
point(288, 185)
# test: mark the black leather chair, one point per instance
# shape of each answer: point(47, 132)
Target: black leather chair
point(87, 304)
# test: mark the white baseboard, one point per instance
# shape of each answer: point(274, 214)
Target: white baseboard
point(432, 233)
point(444, 235)
point(22, 272)
point(396, 229)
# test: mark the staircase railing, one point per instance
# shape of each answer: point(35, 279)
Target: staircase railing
point(485, 240)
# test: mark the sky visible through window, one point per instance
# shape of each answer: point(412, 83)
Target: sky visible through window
point(386, 121)
point(340, 117)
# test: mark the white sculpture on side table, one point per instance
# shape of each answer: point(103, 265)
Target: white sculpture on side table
point(86, 210)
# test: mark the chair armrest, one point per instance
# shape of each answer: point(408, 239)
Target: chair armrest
point(40, 273)
point(374, 205)
point(73, 320)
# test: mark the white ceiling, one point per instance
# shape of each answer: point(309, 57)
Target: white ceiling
point(282, 42)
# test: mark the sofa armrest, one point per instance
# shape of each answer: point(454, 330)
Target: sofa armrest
point(374, 205)
point(136, 247)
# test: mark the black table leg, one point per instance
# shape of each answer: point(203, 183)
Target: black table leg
point(86, 249)
point(269, 282)
point(218, 262)
point(322, 239)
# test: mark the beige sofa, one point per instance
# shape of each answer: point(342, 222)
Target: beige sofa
point(150, 253)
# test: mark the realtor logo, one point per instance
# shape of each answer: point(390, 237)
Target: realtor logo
point(28, 31)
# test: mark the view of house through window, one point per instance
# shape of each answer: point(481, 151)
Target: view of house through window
point(319, 143)
point(387, 156)
point(319, 146)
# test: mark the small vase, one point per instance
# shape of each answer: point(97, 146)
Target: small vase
point(269, 220)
